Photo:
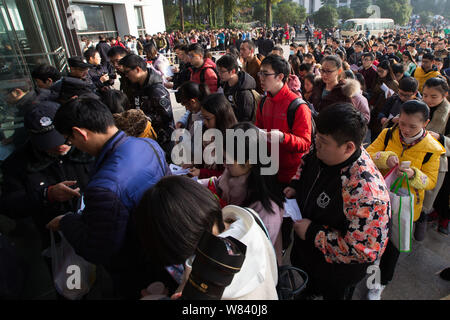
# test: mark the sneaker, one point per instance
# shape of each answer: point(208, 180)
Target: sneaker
point(375, 294)
point(420, 230)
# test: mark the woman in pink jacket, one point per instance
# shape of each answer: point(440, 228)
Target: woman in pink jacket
point(244, 185)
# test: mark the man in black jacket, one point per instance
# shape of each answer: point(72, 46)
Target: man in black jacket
point(102, 75)
point(115, 55)
point(183, 73)
point(103, 48)
point(238, 86)
point(78, 81)
point(344, 203)
point(152, 97)
point(45, 177)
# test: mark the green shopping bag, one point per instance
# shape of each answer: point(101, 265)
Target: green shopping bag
point(402, 206)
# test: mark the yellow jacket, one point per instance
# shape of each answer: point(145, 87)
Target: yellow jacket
point(425, 173)
point(422, 77)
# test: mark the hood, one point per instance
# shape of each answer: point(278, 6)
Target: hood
point(294, 83)
point(153, 77)
point(74, 87)
point(246, 81)
point(209, 64)
point(351, 87)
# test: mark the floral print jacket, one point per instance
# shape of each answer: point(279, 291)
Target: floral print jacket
point(348, 205)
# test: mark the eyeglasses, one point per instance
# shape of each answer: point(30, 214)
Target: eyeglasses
point(264, 74)
point(327, 71)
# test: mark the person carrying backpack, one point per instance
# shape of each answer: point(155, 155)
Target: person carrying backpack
point(293, 131)
point(203, 70)
point(393, 149)
point(239, 88)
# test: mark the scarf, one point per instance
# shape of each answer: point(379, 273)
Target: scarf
point(411, 142)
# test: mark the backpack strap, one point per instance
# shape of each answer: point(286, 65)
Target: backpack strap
point(261, 104)
point(427, 157)
point(389, 135)
point(202, 75)
point(292, 109)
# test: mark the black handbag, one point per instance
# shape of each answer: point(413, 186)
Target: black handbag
point(292, 281)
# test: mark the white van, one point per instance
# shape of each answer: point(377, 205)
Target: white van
point(353, 27)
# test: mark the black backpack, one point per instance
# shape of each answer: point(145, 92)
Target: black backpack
point(292, 281)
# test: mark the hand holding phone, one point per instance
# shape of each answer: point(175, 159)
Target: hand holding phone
point(405, 164)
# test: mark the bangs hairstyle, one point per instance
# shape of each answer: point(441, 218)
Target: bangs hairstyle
point(86, 111)
point(279, 65)
point(343, 122)
point(46, 71)
point(220, 107)
point(334, 59)
point(132, 61)
point(416, 107)
point(191, 90)
point(437, 83)
point(228, 62)
point(172, 216)
point(263, 188)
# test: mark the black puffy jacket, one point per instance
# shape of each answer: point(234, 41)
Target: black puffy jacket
point(27, 172)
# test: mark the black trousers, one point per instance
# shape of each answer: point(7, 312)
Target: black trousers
point(333, 281)
point(388, 263)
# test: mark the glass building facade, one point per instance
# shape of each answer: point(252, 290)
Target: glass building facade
point(30, 35)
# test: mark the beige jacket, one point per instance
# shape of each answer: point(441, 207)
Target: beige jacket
point(438, 124)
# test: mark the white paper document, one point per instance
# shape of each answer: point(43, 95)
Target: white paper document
point(292, 210)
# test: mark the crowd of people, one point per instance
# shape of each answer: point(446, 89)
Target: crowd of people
point(93, 163)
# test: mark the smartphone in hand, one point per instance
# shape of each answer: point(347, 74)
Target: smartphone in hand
point(405, 164)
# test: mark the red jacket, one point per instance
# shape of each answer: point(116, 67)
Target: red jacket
point(297, 141)
point(210, 75)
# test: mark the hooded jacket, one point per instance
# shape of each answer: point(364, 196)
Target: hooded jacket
point(347, 91)
point(296, 141)
point(154, 99)
point(210, 76)
point(241, 97)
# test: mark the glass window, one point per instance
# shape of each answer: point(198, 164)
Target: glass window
point(14, 73)
point(140, 20)
point(139, 17)
point(95, 18)
point(349, 26)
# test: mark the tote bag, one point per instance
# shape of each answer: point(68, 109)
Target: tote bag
point(402, 206)
point(72, 275)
